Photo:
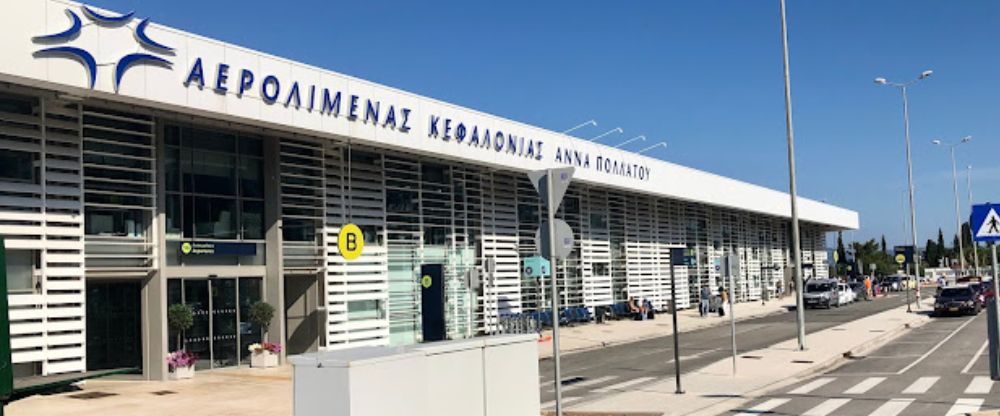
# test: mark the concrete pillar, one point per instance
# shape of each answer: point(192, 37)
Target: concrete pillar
point(274, 287)
point(154, 290)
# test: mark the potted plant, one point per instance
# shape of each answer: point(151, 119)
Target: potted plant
point(263, 355)
point(180, 363)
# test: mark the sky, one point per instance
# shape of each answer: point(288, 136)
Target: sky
point(704, 76)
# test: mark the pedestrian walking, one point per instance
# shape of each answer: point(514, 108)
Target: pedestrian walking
point(724, 296)
point(868, 288)
point(705, 299)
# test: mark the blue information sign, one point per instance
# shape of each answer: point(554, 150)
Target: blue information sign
point(985, 222)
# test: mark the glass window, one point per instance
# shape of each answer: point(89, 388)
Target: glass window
point(599, 221)
point(252, 220)
point(21, 265)
point(214, 173)
point(364, 309)
point(119, 223)
point(370, 232)
point(17, 166)
point(208, 140)
point(252, 178)
point(435, 236)
point(214, 190)
point(174, 216)
point(215, 218)
point(600, 269)
point(402, 201)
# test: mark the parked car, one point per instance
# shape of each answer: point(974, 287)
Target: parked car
point(821, 292)
point(957, 300)
point(844, 294)
point(858, 288)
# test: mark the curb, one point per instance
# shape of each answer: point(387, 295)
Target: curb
point(856, 351)
point(659, 335)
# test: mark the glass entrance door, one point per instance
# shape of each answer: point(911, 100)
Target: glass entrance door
point(221, 331)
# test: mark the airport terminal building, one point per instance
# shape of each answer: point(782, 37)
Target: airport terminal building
point(142, 166)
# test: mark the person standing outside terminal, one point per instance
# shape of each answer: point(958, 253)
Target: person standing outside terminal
point(705, 298)
point(868, 288)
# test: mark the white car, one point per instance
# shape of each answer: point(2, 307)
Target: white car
point(845, 294)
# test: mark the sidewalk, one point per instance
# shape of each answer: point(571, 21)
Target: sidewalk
point(583, 337)
point(713, 389)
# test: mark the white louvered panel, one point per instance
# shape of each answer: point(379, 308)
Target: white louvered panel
point(59, 353)
point(67, 339)
point(49, 209)
point(66, 366)
point(19, 315)
point(55, 311)
point(20, 343)
point(361, 201)
point(27, 356)
point(21, 230)
point(26, 328)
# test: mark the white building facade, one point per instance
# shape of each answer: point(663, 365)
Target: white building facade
point(142, 166)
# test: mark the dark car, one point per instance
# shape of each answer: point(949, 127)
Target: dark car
point(958, 300)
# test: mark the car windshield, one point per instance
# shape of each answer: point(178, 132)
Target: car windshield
point(818, 287)
point(954, 292)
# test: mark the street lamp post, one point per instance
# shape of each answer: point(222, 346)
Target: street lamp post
point(800, 310)
point(954, 184)
point(612, 131)
point(660, 144)
point(975, 244)
point(640, 137)
point(909, 168)
point(581, 125)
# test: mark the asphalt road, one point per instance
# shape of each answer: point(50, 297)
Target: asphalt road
point(590, 375)
point(940, 368)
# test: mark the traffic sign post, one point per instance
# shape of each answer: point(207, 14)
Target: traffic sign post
point(905, 256)
point(678, 257)
point(551, 185)
point(985, 223)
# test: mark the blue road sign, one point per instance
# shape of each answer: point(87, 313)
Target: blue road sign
point(985, 223)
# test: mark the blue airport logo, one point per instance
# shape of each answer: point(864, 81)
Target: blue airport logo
point(61, 48)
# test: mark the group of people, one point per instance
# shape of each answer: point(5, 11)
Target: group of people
point(705, 301)
point(641, 310)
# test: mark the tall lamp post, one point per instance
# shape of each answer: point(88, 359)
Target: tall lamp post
point(909, 168)
point(975, 245)
point(800, 312)
point(954, 183)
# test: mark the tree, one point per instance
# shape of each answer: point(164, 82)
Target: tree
point(954, 249)
point(261, 314)
point(942, 249)
point(841, 252)
point(180, 317)
point(932, 252)
point(884, 249)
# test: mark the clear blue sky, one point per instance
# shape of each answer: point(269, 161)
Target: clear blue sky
point(703, 75)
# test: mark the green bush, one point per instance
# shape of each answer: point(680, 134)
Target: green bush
point(180, 317)
point(261, 314)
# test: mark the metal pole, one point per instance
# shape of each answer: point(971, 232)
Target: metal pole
point(800, 313)
point(958, 213)
point(907, 283)
point(909, 176)
point(732, 315)
point(550, 203)
point(975, 244)
point(677, 344)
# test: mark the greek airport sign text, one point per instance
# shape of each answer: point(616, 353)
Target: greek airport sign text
point(290, 94)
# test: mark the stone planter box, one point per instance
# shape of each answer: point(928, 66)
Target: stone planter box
point(263, 359)
point(182, 373)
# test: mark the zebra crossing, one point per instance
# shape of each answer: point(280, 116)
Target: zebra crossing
point(574, 391)
point(852, 395)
